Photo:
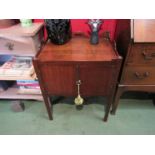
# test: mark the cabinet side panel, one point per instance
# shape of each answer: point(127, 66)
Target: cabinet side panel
point(123, 36)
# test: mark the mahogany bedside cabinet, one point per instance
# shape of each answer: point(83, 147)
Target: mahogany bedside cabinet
point(136, 43)
point(78, 68)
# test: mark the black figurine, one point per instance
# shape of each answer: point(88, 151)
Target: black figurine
point(58, 30)
point(95, 25)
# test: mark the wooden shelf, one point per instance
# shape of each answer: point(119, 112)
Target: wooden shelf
point(23, 34)
point(19, 53)
point(12, 93)
point(14, 78)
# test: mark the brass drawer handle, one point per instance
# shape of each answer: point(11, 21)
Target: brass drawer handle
point(9, 46)
point(148, 56)
point(141, 76)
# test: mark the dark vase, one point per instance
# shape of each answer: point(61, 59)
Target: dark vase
point(59, 30)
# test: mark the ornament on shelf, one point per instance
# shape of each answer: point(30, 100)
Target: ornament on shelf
point(95, 25)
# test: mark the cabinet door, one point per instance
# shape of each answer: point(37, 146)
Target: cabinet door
point(58, 79)
point(95, 79)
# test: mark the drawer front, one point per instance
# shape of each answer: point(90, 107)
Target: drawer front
point(142, 54)
point(138, 75)
point(20, 45)
point(14, 44)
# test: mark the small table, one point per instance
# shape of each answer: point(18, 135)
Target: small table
point(60, 67)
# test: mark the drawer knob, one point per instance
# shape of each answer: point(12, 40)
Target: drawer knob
point(141, 76)
point(9, 46)
point(148, 56)
point(78, 100)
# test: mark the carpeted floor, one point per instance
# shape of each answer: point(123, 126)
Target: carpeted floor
point(134, 116)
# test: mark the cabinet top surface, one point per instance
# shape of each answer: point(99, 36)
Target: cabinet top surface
point(78, 49)
point(18, 30)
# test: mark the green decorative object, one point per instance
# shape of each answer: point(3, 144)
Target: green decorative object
point(26, 22)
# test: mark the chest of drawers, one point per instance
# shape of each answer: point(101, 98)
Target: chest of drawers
point(59, 67)
point(135, 40)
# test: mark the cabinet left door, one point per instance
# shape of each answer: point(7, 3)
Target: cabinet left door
point(58, 79)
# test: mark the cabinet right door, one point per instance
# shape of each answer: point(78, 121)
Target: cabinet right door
point(96, 79)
